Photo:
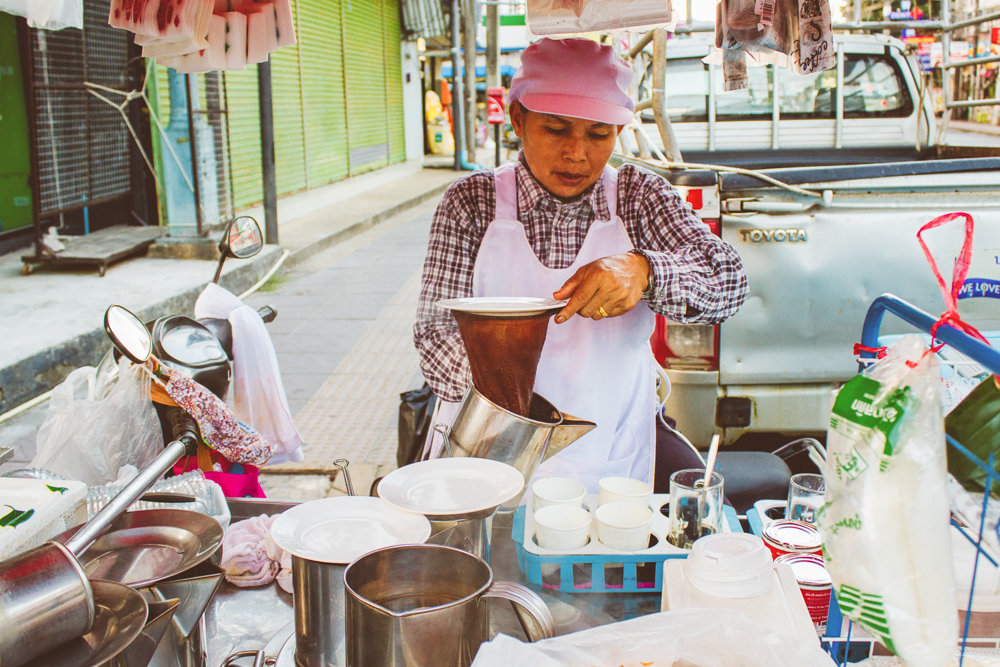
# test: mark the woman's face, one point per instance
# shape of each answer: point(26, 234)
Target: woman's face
point(567, 155)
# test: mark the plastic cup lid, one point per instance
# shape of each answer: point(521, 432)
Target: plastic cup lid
point(809, 569)
point(792, 535)
point(730, 565)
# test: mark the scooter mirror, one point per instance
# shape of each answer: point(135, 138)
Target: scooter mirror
point(243, 238)
point(128, 334)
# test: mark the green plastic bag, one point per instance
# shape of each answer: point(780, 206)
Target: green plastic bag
point(975, 423)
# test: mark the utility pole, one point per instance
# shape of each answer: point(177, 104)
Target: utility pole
point(493, 63)
point(268, 179)
point(469, 44)
point(456, 85)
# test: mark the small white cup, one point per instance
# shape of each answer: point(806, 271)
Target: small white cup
point(557, 491)
point(624, 525)
point(619, 489)
point(562, 527)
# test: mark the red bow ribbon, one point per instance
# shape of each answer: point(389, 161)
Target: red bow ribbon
point(951, 316)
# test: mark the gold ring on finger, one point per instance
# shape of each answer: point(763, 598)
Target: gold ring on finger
point(601, 311)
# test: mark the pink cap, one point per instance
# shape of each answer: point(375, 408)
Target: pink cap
point(574, 77)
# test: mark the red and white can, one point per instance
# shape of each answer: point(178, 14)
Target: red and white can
point(791, 537)
point(814, 583)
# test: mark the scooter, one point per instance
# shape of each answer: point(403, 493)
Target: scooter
point(202, 350)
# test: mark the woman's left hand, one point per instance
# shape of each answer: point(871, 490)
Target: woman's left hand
point(607, 287)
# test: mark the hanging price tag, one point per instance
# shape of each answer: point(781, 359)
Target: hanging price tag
point(494, 106)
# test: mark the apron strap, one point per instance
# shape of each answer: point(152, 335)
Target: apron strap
point(505, 183)
point(610, 179)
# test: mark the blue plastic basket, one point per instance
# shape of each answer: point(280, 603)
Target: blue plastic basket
point(623, 577)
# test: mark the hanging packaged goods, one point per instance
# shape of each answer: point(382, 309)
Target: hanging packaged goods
point(206, 35)
point(795, 34)
point(564, 17)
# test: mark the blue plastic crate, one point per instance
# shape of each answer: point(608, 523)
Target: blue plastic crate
point(531, 564)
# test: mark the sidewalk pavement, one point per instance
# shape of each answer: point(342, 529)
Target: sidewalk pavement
point(52, 321)
point(981, 128)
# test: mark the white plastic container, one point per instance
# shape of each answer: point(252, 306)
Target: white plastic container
point(557, 491)
point(562, 527)
point(624, 525)
point(618, 489)
point(34, 510)
point(730, 565)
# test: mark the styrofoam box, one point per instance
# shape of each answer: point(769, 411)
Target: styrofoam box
point(33, 510)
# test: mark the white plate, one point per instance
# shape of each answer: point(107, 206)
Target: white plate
point(502, 305)
point(446, 487)
point(339, 530)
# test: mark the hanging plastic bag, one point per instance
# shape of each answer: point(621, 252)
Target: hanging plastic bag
point(566, 17)
point(702, 637)
point(47, 14)
point(885, 525)
point(89, 440)
point(258, 395)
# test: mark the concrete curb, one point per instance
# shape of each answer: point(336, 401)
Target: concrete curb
point(41, 372)
point(316, 247)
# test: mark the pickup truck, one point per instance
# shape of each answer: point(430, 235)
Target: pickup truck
point(814, 265)
point(885, 112)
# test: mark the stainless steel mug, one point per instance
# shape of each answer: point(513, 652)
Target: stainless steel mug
point(45, 600)
point(318, 595)
point(423, 605)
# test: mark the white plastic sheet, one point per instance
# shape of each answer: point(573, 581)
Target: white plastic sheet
point(47, 14)
point(89, 440)
point(566, 17)
point(885, 525)
point(258, 395)
point(688, 637)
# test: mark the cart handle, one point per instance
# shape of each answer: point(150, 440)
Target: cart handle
point(961, 341)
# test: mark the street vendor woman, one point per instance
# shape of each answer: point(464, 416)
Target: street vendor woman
point(621, 245)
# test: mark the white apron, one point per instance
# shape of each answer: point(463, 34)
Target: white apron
point(600, 371)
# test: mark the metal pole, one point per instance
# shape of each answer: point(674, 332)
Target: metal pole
point(267, 151)
point(469, 53)
point(775, 108)
point(670, 147)
point(838, 133)
point(493, 64)
point(946, 74)
point(456, 85)
point(857, 11)
point(28, 84)
point(193, 145)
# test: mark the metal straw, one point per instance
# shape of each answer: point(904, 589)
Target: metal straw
point(342, 465)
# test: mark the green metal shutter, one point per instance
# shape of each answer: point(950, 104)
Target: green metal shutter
point(289, 138)
point(244, 136)
point(365, 75)
point(394, 80)
point(320, 48)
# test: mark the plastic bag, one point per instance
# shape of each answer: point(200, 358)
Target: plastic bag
point(47, 14)
point(885, 524)
point(794, 34)
point(90, 440)
point(416, 408)
point(702, 637)
point(565, 17)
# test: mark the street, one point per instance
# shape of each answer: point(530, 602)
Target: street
point(959, 138)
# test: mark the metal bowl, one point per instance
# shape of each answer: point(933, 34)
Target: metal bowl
point(121, 614)
point(147, 546)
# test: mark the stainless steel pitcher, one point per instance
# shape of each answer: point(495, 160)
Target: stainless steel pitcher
point(485, 430)
point(424, 605)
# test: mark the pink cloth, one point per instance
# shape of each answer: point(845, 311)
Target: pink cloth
point(251, 558)
point(574, 77)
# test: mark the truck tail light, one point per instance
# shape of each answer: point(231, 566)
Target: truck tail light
point(688, 346)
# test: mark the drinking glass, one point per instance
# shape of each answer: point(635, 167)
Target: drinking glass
point(695, 509)
point(805, 497)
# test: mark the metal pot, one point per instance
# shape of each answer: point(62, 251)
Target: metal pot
point(318, 592)
point(422, 605)
point(485, 430)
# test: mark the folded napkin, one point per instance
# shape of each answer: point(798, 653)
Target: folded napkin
point(251, 558)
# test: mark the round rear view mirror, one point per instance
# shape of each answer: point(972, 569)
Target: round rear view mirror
point(243, 237)
point(128, 334)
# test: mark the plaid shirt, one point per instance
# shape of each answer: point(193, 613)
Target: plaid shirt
point(697, 277)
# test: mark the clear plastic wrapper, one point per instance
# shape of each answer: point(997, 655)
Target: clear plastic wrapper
point(47, 14)
point(567, 17)
point(688, 637)
point(211, 500)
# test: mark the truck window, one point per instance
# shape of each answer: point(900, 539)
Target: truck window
point(873, 88)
